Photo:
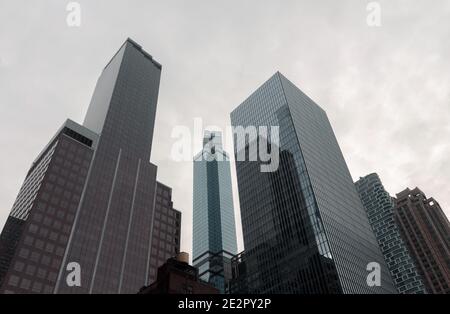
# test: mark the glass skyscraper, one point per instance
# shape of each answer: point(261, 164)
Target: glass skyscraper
point(305, 229)
point(380, 210)
point(214, 229)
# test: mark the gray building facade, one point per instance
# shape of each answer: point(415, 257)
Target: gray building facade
point(116, 208)
point(166, 233)
point(90, 197)
point(380, 211)
point(305, 229)
point(37, 231)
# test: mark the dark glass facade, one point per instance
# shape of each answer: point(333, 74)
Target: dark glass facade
point(426, 231)
point(380, 210)
point(305, 229)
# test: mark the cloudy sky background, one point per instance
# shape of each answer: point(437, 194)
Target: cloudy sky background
point(386, 89)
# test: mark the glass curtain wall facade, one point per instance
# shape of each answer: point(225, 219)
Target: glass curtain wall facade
point(304, 227)
point(214, 229)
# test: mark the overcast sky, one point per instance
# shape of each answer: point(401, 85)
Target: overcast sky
point(386, 89)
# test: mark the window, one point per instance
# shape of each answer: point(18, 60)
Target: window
point(41, 273)
point(53, 236)
point(13, 281)
point(24, 253)
point(28, 240)
point(39, 244)
point(18, 266)
point(49, 248)
point(46, 260)
point(33, 228)
point(37, 287)
point(43, 232)
point(35, 257)
point(31, 270)
point(25, 284)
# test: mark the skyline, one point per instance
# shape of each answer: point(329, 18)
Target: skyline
point(364, 143)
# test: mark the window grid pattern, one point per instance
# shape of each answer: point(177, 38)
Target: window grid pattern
point(30, 187)
point(38, 255)
point(426, 232)
point(380, 210)
point(321, 199)
point(166, 231)
point(112, 235)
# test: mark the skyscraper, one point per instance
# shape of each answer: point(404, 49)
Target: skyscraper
point(166, 230)
point(214, 229)
point(37, 230)
point(304, 227)
point(426, 230)
point(89, 197)
point(380, 210)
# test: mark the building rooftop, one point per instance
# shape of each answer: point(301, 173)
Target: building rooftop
point(138, 47)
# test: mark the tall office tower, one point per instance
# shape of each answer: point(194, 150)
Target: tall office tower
point(89, 198)
point(166, 230)
point(305, 229)
point(425, 229)
point(36, 233)
point(380, 209)
point(214, 229)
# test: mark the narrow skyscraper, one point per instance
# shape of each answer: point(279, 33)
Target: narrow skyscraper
point(380, 210)
point(87, 205)
point(426, 230)
point(305, 229)
point(214, 229)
